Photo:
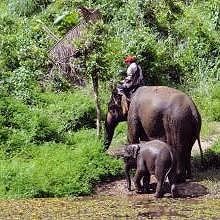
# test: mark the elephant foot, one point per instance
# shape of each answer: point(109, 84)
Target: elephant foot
point(174, 192)
point(158, 195)
point(189, 176)
point(139, 190)
point(180, 179)
point(146, 190)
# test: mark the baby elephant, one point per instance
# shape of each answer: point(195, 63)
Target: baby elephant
point(150, 158)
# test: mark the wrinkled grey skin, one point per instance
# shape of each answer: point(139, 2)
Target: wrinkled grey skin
point(150, 158)
point(158, 112)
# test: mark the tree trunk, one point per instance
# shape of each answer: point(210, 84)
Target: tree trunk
point(95, 84)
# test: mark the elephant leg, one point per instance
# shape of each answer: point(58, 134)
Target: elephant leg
point(140, 173)
point(173, 191)
point(176, 138)
point(159, 191)
point(188, 166)
point(188, 159)
point(127, 169)
point(180, 166)
point(172, 181)
point(137, 180)
point(143, 135)
point(160, 175)
point(146, 182)
point(133, 131)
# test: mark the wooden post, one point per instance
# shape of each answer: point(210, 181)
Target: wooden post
point(95, 84)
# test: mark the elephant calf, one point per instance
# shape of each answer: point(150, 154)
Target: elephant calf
point(150, 158)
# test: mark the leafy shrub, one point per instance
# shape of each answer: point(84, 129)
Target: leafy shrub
point(208, 100)
point(216, 102)
point(57, 170)
point(17, 140)
point(27, 7)
point(51, 119)
point(10, 108)
point(71, 110)
point(23, 86)
point(66, 21)
point(46, 130)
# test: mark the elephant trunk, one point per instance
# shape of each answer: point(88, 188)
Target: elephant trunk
point(108, 133)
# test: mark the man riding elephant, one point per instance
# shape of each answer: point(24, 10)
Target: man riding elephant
point(134, 78)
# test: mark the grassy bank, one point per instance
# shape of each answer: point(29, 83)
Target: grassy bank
point(54, 170)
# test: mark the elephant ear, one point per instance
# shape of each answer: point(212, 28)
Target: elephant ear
point(136, 149)
point(124, 105)
point(132, 151)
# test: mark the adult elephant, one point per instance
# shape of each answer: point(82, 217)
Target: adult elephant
point(158, 112)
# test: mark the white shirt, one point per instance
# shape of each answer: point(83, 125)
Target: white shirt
point(131, 74)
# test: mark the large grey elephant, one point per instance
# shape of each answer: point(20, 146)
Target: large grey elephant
point(158, 112)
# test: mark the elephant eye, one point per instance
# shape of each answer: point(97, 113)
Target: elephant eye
point(114, 111)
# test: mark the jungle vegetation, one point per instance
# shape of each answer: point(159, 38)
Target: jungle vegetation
point(48, 143)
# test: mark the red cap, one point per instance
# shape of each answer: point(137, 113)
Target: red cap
point(129, 59)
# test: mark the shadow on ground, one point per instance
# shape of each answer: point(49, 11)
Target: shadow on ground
point(188, 189)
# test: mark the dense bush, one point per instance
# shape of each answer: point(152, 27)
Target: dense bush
point(56, 169)
point(208, 100)
point(52, 119)
point(27, 7)
point(171, 47)
point(169, 44)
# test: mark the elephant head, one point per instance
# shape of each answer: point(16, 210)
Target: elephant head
point(132, 151)
point(130, 161)
point(117, 112)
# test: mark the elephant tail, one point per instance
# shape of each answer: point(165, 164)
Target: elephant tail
point(201, 152)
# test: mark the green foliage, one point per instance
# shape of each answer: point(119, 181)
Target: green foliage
point(57, 170)
point(54, 118)
point(66, 21)
point(41, 153)
point(208, 100)
point(92, 43)
point(120, 135)
point(171, 47)
point(27, 7)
